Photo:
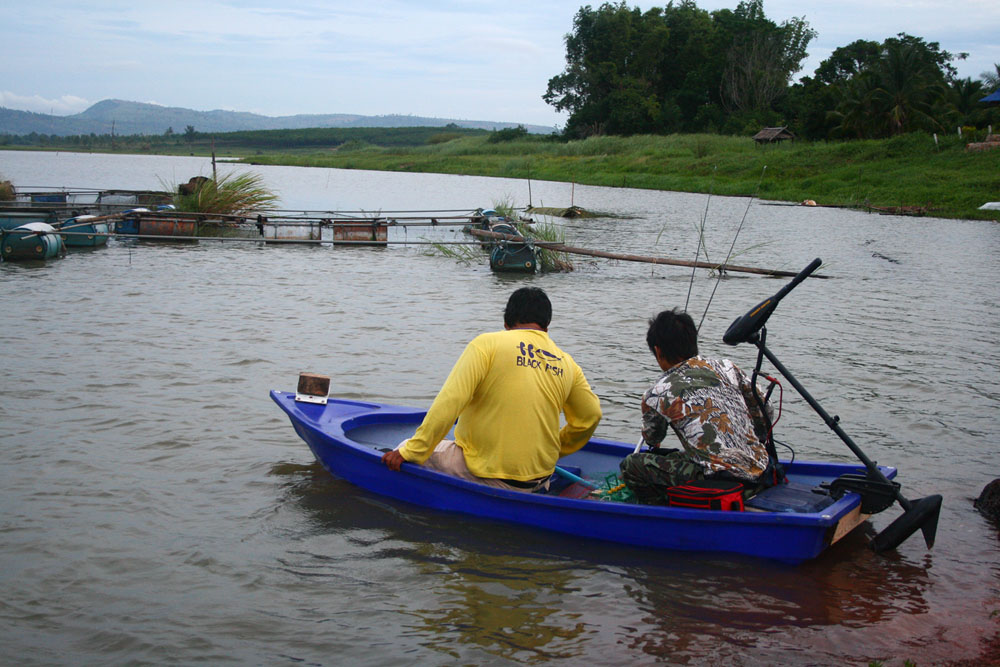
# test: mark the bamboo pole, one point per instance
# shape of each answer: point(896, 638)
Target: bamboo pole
point(559, 247)
point(60, 230)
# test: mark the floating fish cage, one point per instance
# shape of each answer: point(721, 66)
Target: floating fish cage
point(11, 217)
point(124, 198)
point(372, 231)
point(98, 198)
point(90, 218)
point(144, 223)
point(291, 231)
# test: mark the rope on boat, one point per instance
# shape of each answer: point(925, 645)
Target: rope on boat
point(615, 490)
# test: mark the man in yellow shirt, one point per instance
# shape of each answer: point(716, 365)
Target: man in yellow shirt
point(507, 390)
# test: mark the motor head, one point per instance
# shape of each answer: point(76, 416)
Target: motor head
point(745, 326)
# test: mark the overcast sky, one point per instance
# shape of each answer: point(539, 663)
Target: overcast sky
point(464, 59)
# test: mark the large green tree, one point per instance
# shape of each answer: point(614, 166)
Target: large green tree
point(813, 98)
point(688, 78)
point(612, 59)
point(673, 69)
point(761, 57)
point(903, 89)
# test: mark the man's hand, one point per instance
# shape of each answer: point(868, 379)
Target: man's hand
point(393, 460)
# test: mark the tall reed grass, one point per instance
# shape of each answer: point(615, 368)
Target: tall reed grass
point(548, 260)
point(232, 194)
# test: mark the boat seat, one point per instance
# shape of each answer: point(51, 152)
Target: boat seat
point(790, 497)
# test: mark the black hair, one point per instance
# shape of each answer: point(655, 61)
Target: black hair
point(673, 331)
point(528, 305)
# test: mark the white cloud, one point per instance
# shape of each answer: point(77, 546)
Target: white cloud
point(60, 106)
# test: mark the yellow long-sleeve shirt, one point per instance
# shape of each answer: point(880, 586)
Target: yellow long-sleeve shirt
point(507, 391)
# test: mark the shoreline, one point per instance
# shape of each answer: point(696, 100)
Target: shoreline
point(912, 175)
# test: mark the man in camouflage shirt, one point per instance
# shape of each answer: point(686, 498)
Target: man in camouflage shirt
point(710, 406)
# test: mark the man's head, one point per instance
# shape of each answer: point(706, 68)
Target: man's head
point(528, 305)
point(672, 336)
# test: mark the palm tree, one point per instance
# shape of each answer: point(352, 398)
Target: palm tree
point(965, 96)
point(991, 80)
point(854, 116)
point(906, 91)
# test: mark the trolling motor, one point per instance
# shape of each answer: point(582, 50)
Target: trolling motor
point(876, 490)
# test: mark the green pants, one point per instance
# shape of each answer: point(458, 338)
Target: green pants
point(650, 474)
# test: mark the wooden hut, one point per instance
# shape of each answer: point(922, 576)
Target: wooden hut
point(771, 135)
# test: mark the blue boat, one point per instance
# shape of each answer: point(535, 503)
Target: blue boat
point(812, 507)
point(789, 522)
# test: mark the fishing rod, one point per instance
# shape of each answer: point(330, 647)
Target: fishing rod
point(701, 237)
point(722, 267)
point(877, 492)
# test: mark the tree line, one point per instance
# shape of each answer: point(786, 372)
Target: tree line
point(261, 140)
point(680, 68)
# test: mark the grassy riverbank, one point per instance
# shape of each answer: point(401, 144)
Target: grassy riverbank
point(910, 170)
point(907, 171)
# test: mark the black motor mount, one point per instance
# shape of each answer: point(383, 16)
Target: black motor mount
point(876, 495)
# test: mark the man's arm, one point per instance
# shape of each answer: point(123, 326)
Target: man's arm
point(455, 394)
point(654, 423)
point(393, 460)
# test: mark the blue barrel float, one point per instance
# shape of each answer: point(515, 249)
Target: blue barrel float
point(141, 222)
point(83, 232)
point(512, 256)
point(35, 240)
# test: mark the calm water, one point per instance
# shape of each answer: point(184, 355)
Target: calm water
point(158, 508)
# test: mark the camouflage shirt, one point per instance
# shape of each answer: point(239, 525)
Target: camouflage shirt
point(710, 405)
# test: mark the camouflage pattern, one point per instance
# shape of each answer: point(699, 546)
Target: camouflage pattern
point(710, 406)
point(649, 474)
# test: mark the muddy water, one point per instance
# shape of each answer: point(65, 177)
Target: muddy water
point(157, 508)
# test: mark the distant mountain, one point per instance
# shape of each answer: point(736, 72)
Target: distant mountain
point(140, 118)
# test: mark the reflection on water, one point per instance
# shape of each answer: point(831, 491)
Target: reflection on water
point(506, 606)
point(157, 507)
point(495, 590)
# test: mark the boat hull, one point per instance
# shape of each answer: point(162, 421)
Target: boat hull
point(349, 437)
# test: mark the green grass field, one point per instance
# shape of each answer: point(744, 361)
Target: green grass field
point(910, 170)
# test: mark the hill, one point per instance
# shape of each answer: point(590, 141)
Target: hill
point(151, 119)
